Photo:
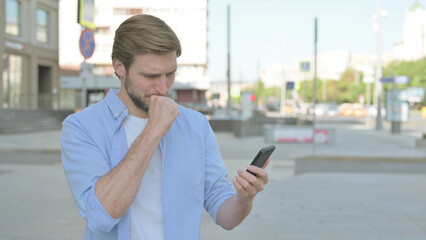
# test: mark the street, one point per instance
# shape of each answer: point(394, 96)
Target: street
point(368, 183)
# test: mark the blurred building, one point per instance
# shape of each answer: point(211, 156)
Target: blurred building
point(29, 54)
point(331, 65)
point(188, 18)
point(412, 46)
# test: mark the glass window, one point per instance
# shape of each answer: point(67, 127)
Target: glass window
point(42, 25)
point(12, 81)
point(12, 17)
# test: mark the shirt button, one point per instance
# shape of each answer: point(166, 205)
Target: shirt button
point(116, 115)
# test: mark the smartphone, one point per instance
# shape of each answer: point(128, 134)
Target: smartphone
point(261, 157)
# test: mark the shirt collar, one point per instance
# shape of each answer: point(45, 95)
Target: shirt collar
point(117, 107)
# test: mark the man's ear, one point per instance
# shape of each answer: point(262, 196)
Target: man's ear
point(119, 68)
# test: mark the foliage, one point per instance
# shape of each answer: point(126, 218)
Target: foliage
point(347, 89)
point(415, 70)
point(350, 86)
point(262, 93)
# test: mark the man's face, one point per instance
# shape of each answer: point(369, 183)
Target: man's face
point(149, 74)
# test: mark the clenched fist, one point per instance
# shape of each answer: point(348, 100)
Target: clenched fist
point(163, 111)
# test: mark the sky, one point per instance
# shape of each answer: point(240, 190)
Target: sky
point(265, 32)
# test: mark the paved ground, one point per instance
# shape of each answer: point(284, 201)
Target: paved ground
point(367, 185)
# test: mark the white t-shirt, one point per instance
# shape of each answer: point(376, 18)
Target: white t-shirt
point(146, 213)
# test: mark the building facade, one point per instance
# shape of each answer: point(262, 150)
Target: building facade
point(29, 66)
point(412, 46)
point(188, 18)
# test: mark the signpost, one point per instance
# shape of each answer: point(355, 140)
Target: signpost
point(87, 43)
point(85, 13)
point(87, 47)
point(305, 68)
point(86, 18)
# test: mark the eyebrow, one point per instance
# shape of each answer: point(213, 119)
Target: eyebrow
point(156, 74)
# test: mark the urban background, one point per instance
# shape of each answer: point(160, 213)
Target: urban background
point(337, 86)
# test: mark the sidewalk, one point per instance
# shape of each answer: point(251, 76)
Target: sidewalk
point(309, 206)
point(46, 141)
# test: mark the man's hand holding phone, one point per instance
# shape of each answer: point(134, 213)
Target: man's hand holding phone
point(248, 183)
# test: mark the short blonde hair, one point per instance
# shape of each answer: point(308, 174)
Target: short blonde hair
point(142, 34)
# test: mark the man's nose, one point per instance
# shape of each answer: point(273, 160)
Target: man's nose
point(161, 87)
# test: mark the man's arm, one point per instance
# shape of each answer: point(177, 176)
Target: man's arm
point(117, 189)
point(236, 208)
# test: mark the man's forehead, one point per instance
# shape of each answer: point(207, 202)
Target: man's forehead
point(151, 62)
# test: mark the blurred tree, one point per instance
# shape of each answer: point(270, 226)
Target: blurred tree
point(307, 90)
point(415, 70)
point(332, 91)
point(263, 93)
point(350, 87)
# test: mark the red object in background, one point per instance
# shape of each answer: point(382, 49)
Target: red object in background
point(252, 97)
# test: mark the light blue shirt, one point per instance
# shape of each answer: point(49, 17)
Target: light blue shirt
point(194, 175)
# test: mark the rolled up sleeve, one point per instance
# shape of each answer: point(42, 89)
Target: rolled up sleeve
point(84, 164)
point(217, 187)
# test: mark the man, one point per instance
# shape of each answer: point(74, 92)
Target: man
point(141, 167)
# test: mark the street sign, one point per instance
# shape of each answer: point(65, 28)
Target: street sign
point(86, 70)
point(386, 80)
point(86, 13)
point(297, 85)
point(401, 79)
point(397, 79)
point(305, 66)
point(289, 85)
point(87, 43)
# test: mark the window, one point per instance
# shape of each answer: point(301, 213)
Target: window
point(12, 17)
point(42, 25)
point(12, 81)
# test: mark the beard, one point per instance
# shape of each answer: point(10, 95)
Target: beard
point(136, 99)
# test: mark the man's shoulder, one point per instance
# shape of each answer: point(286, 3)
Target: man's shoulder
point(90, 114)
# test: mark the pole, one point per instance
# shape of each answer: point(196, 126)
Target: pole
point(229, 104)
point(283, 95)
point(324, 90)
point(368, 94)
point(83, 86)
point(423, 40)
point(315, 84)
point(395, 124)
point(377, 83)
point(315, 65)
point(9, 104)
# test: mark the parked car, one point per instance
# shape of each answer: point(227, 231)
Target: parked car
point(353, 110)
